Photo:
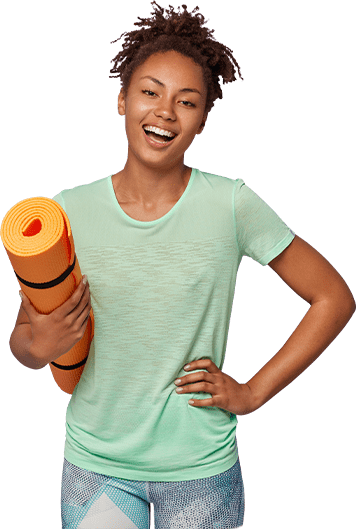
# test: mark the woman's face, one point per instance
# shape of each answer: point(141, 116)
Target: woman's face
point(167, 91)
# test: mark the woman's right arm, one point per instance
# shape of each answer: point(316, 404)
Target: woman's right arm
point(39, 339)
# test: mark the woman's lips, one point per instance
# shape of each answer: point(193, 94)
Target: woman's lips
point(157, 144)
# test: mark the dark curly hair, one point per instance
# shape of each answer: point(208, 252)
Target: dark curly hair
point(183, 33)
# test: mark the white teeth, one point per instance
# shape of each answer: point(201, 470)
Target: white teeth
point(159, 131)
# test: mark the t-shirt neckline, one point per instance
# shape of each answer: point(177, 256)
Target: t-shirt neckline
point(161, 219)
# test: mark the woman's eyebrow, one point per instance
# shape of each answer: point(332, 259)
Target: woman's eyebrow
point(164, 86)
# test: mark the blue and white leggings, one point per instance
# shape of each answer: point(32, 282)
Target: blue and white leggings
point(95, 501)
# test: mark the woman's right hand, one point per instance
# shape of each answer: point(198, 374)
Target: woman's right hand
point(56, 333)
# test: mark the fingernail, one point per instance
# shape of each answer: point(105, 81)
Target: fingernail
point(21, 296)
point(85, 279)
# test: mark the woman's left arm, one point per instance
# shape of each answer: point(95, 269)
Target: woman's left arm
point(313, 278)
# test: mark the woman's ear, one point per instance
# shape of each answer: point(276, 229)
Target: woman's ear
point(201, 128)
point(121, 103)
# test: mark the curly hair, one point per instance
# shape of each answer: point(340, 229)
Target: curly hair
point(183, 33)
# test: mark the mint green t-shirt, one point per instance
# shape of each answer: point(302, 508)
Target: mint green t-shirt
point(162, 294)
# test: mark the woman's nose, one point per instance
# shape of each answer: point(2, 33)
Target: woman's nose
point(165, 110)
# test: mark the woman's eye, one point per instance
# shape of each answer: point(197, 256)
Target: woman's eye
point(149, 92)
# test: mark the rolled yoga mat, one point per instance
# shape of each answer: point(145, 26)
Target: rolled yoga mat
point(38, 239)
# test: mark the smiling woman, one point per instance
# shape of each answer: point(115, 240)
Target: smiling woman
point(161, 122)
point(153, 417)
point(162, 114)
point(170, 79)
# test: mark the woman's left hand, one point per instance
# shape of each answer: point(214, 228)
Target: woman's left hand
point(226, 393)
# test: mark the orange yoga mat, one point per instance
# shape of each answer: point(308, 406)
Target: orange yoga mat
point(38, 239)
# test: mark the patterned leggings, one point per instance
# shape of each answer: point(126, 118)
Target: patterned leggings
point(95, 501)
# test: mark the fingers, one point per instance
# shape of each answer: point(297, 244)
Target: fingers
point(205, 387)
point(85, 305)
point(78, 299)
point(78, 296)
point(80, 315)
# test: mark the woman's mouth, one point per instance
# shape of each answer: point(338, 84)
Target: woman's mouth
point(158, 140)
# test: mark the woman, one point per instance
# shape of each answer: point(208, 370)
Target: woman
point(161, 244)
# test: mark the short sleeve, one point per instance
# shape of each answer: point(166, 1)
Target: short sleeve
point(260, 233)
point(60, 200)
